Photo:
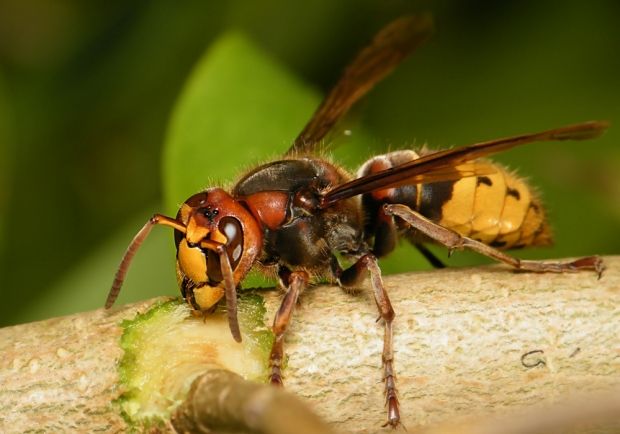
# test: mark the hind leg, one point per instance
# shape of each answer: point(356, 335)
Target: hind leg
point(350, 278)
point(452, 240)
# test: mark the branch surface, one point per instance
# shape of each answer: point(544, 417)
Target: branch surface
point(467, 341)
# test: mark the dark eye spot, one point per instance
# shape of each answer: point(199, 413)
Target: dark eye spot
point(209, 212)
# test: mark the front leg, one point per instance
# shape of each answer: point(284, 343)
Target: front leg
point(453, 240)
point(350, 278)
point(294, 282)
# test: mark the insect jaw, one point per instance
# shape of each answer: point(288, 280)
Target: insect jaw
point(209, 253)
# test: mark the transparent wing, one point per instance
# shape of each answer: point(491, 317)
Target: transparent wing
point(388, 48)
point(450, 164)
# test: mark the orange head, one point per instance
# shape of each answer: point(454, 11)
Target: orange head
point(218, 241)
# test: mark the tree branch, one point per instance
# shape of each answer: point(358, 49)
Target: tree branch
point(460, 336)
point(221, 401)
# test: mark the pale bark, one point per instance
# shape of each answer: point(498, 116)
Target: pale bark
point(459, 338)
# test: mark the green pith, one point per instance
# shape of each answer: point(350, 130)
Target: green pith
point(166, 348)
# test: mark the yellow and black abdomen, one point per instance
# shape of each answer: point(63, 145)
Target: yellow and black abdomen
point(498, 208)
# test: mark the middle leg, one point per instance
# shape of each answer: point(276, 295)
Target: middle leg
point(352, 277)
point(294, 282)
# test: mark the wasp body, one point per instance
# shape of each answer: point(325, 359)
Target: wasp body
point(298, 215)
point(498, 209)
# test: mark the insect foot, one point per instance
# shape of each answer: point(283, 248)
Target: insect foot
point(391, 396)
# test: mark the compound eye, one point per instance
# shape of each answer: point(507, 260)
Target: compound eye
point(231, 227)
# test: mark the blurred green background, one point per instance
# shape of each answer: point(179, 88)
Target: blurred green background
point(101, 124)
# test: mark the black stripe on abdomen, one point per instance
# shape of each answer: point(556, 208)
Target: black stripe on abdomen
point(433, 197)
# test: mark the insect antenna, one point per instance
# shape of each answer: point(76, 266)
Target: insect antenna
point(135, 244)
point(229, 286)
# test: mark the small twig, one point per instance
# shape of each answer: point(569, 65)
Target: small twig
point(221, 401)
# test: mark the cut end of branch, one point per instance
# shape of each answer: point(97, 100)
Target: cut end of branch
point(167, 347)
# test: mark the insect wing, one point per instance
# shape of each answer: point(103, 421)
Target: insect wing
point(388, 48)
point(444, 165)
point(450, 173)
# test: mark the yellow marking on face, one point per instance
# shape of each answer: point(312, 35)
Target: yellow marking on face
point(195, 232)
point(456, 213)
point(184, 213)
point(192, 262)
point(488, 206)
point(207, 296)
point(218, 236)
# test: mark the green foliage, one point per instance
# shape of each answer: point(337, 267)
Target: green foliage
point(151, 274)
point(239, 106)
point(5, 159)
